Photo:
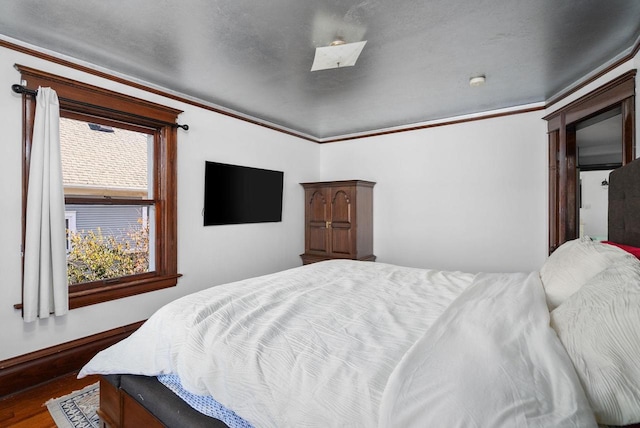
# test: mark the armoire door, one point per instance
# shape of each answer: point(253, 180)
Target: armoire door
point(342, 222)
point(317, 221)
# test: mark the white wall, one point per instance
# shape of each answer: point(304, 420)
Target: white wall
point(469, 197)
point(206, 255)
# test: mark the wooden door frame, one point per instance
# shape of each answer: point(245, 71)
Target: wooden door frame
point(563, 210)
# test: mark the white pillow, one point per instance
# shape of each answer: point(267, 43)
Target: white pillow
point(599, 327)
point(572, 265)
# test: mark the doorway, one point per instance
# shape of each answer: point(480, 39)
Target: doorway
point(594, 133)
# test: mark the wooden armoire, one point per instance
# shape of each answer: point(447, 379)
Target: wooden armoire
point(338, 221)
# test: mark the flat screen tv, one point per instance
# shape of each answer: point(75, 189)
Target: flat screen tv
point(236, 194)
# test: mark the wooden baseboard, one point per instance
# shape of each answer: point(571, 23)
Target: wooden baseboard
point(25, 371)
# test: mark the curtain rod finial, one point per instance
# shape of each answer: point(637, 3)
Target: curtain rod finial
point(20, 89)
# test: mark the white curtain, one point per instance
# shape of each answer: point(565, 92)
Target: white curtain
point(45, 288)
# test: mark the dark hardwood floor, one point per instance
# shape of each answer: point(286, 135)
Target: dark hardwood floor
point(26, 409)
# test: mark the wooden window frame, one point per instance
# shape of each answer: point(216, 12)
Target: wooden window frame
point(89, 100)
point(563, 182)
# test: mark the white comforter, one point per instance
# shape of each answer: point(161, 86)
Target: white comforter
point(357, 344)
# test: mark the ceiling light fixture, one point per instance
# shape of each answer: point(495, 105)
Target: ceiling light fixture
point(477, 81)
point(337, 55)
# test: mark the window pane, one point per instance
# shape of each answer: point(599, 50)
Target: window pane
point(110, 241)
point(105, 161)
point(107, 241)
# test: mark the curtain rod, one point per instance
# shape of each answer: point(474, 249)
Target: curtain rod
point(19, 89)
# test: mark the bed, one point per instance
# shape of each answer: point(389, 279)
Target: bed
point(360, 344)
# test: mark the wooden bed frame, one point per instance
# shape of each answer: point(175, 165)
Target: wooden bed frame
point(118, 409)
point(142, 401)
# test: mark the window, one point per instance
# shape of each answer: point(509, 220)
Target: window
point(119, 176)
point(102, 164)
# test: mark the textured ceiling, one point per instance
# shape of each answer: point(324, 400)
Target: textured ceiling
point(254, 57)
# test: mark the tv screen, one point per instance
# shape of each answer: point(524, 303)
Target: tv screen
point(236, 194)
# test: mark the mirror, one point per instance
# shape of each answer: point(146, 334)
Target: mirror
point(599, 141)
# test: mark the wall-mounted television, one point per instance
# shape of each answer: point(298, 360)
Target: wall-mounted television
point(235, 194)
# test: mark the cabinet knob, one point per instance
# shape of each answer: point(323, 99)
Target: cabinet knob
point(328, 225)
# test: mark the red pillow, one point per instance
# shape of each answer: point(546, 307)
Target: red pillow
point(628, 248)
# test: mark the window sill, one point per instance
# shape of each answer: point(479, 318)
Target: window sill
point(78, 299)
